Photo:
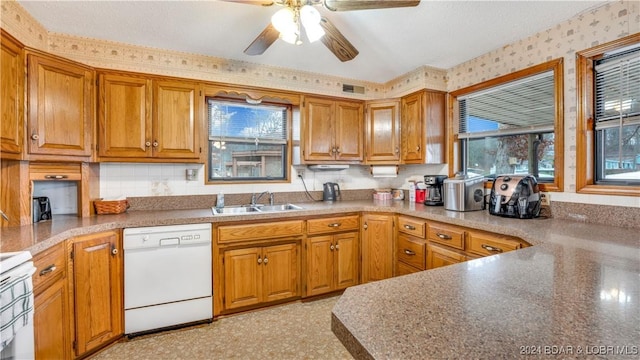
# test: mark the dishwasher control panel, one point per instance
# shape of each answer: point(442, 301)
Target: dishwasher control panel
point(168, 235)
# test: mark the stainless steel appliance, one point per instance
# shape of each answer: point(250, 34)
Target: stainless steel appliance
point(41, 208)
point(330, 191)
point(464, 193)
point(16, 305)
point(434, 194)
point(167, 276)
point(515, 196)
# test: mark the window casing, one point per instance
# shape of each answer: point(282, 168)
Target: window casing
point(247, 142)
point(608, 84)
point(512, 125)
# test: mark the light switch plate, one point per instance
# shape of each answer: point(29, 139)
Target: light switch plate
point(545, 200)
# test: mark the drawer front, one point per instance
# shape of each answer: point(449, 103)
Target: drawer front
point(439, 256)
point(50, 265)
point(412, 251)
point(334, 224)
point(447, 235)
point(248, 232)
point(411, 226)
point(404, 269)
point(484, 244)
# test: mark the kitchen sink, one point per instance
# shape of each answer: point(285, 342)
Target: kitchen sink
point(282, 207)
point(252, 209)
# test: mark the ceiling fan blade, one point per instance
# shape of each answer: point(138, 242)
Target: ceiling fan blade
point(346, 5)
point(267, 37)
point(336, 42)
point(251, 2)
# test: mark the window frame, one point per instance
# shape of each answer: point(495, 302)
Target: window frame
point(557, 66)
point(250, 94)
point(586, 156)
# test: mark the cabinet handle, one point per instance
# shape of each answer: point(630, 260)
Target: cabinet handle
point(48, 269)
point(491, 248)
point(147, 144)
point(409, 252)
point(56, 177)
point(418, 148)
point(409, 227)
point(259, 260)
point(35, 137)
point(265, 261)
point(155, 143)
point(114, 250)
point(4, 216)
point(337, 247)
point(334, 225)
point(338, 149)
point(444, 236)
point(365, 226)
point(331, 150)
point(397, 149)
point(332, 247)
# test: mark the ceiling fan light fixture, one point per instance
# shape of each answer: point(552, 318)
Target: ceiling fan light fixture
point(284, 21)
point(310, 18)
point(292, 38)
point(314, 32)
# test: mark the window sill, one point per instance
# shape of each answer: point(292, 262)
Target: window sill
point(610, 190)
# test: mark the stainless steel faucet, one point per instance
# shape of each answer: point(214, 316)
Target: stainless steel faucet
point(255, 198)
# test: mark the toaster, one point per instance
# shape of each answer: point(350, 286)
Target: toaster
point(516, 196)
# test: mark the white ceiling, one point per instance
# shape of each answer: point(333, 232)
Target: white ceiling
point(391, 42)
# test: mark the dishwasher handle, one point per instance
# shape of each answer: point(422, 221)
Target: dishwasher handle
point(172, 241)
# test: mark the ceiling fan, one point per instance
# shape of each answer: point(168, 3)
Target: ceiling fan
point(285, 23)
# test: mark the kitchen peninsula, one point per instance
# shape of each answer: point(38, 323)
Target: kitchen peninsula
point(575, 287)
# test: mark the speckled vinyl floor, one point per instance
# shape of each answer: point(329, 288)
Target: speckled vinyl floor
point(293, 331)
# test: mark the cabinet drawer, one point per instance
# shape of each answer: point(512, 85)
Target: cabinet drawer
point(439, 256)
point(483, 243)
point(334, 224)
point(247, 232)
point(50, 265)
point(404, 269)
point(446, 234)
point(411, 251)
point(411, 226)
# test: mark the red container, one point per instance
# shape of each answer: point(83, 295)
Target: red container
point(420, 195)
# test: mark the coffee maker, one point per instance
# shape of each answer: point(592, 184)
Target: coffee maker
point(435, 193)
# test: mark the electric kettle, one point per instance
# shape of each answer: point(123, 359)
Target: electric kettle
point(330, 192)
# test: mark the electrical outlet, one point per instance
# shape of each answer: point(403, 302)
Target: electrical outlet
point(300, 172)
point(545, 200)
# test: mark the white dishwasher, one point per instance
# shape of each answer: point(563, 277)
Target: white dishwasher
point(167, 276)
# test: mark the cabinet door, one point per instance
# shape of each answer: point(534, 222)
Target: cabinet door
point(435, 140)
point(175, 120)
point(319, 129)
point(377, 247)
point(349, 131)
point(51, 331)
point(412, 125)
point(320, 272)
point(97, 280)
point(280, 272)
point(11, 97)
point(60, 107)
point(383, 132)
point(439, 256)
point(124, 116)
point(242, 277)
point(346, 264)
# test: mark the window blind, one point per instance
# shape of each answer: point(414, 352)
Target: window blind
point(241, 122)
point(617, 90)
point(519, 107)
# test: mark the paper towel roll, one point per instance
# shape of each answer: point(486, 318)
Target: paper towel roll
point(384, 171)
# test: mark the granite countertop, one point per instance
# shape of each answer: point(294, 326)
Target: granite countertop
point(575, 292)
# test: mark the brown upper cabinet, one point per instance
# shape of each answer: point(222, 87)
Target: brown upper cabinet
point(144, 118)
point(332, 130)
point(383, 132)
point(60, 108)
point(11, 97)
point(423, 127)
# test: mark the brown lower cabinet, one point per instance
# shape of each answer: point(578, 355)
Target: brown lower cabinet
point(332, 262)
point(260, 274)
point(438, 256)
point(377, 247)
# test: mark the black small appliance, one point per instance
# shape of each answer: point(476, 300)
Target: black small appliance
point(516, 196)
point(435, 190)
point(41, 209)
point(330, 192)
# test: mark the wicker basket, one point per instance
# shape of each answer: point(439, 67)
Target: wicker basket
point(111, 207)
